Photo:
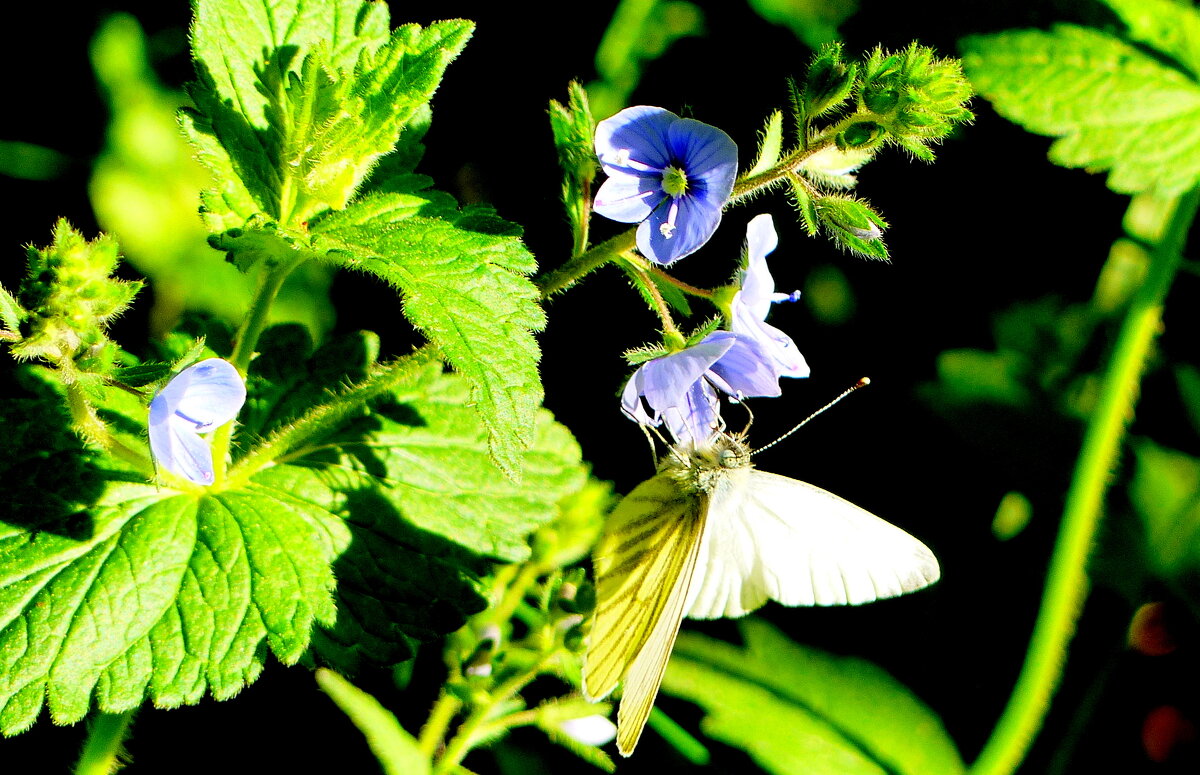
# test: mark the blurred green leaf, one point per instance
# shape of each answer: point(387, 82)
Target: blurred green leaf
point(814, 22)
point(396, 750)
point(796, 709)
point(145, 189)
point(1165, 492)
point(640, 32)
point(30, 162)
point(1113, 105)
point(1169, 26)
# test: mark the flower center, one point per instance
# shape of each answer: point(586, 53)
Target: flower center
point(674, 181)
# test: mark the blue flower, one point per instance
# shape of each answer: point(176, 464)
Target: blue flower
point(752, 303)
point(199, 398)
point(671, 174)
point(680, 389)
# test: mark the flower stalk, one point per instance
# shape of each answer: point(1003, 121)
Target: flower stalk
point(1067, 583)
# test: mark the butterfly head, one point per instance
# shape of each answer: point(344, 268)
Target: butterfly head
point(699, 467)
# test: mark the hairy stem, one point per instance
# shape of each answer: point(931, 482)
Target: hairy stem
point(103, 748)
point(687, 288)
point(1067, 584)
point(576, 268)
point(324, 417)
point(749, 185)
point(470, 732)
point(434, 731)
point(246, 342)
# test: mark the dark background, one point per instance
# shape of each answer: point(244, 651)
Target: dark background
point(990, 224)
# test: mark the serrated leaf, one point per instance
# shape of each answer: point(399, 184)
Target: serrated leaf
point(1169, 26)
point(123, 590)
point(295, 105)
point(796, 709)
point(396, 750)
point(430, 450)
point(164, 593)
point(1112, 106)
point(464, 286)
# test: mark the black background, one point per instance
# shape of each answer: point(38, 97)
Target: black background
point(991, 223)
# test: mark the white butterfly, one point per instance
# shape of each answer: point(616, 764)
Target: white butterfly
point(710, 536)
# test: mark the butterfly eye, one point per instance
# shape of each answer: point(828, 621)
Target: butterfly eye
point(729, 458)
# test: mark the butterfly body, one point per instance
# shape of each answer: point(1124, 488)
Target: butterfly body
point(710, 536)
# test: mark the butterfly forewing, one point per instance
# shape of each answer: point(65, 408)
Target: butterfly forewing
point(643, 566)
point(776, 538)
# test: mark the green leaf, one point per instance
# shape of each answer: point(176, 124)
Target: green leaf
point(1112, 106)
point(797, 709)
point(145, 187)
point(431, 452)
point(770, 145)
point(158, 592)
point(294, 105)
point(1166, 494)
point(396, 750)
point(464, 286)
point(1168, 26)
point(814, 22)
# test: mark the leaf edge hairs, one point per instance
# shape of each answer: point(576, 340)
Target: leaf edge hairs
point(659, 561)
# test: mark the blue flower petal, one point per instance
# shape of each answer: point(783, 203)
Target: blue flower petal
point(697, 418)
point(745, 370)
point(199, 398)
point(179, 449)
point(637, 134)
point(777, 346)
point(664, 381)
point(694, 221)
point(708, 154)
point(628, 198)
point(212, 395)
point(758, 287)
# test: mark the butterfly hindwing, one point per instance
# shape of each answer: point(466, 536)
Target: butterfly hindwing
point(643, 566)
point(771, 537)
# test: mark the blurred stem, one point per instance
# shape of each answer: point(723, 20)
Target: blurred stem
point(1066, 583)
point(434, 731)
point(103, 746)
point(471, 731)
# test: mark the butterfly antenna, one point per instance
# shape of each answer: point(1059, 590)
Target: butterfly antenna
point(860, 384)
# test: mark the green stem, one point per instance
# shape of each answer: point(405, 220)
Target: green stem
point(324, 417)
point(1067, 584)
point(576, 268)
point(246, 342)
point(434, 731)
point(660, 305)
point(687, 288)
point(470, 732)
point(752, 184)
point(102, 749)
point(89, 425)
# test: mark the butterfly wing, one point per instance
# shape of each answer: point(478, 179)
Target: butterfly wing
point(771, 537)
point(644, 565)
